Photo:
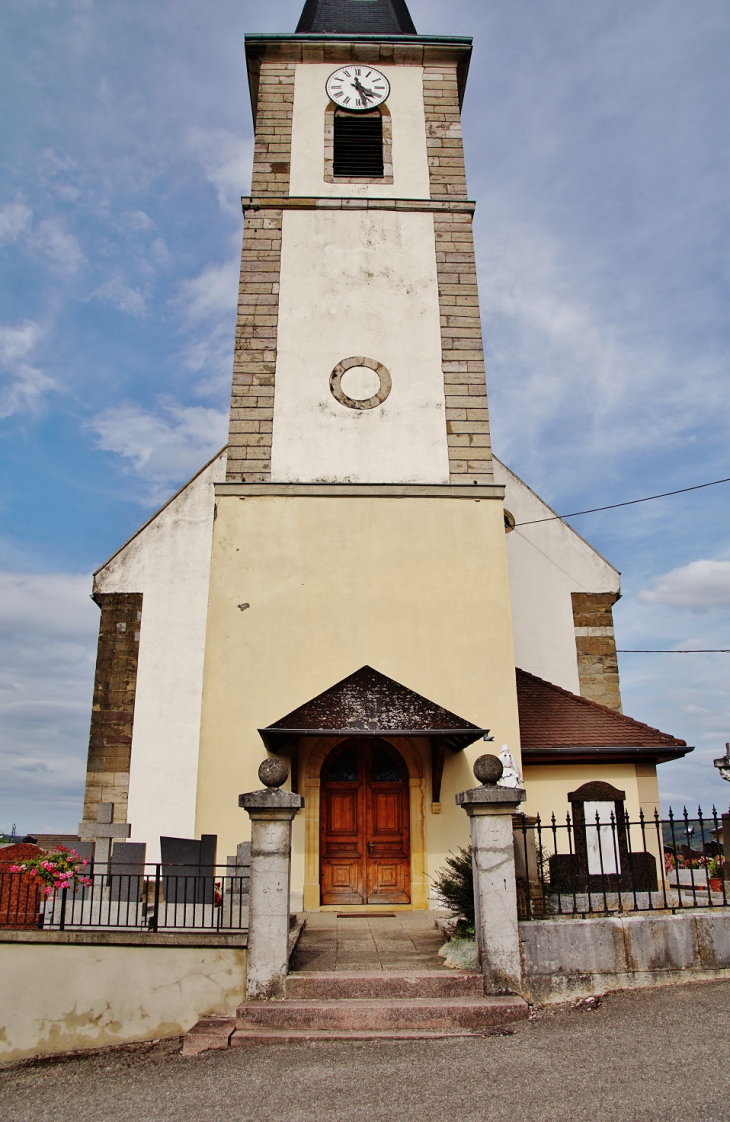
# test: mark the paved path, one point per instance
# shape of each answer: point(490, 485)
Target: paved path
point(656, 1056)
point(403, 941)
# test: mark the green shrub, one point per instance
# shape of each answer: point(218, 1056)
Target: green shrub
point(455, 886)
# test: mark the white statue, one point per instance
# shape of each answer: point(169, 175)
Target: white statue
point(723, 764)
point(511, 773)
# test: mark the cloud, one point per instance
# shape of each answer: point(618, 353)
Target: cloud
point(121, 296)
point(48, 627)
point(701, 586)
point(212, 293)
point(165, 446)
point(15, 219)
point(207, 304)
point(53, 241)
point(22, 384)
point(226, 159)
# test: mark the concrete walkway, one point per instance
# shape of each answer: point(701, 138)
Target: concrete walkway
point(403, 941)
point(652, 1056)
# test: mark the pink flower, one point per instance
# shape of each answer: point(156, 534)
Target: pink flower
point(17, 868)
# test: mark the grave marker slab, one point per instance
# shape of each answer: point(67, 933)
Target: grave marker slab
point(126, 871)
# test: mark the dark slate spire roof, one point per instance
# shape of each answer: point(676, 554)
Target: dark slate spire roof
point(356, 17)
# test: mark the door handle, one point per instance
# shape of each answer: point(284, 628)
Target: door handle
point(371, 845)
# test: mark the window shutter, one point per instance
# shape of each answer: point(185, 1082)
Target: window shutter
point(358, 147)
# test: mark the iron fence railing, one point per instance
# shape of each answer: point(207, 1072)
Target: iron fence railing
point(608, 863)
point(151, 898)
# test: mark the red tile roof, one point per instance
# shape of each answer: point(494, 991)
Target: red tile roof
point(555, 722)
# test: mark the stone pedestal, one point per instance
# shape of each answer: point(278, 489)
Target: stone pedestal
point(490, 809)
point(271, 813)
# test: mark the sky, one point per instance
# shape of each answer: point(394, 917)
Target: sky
point(597, 149)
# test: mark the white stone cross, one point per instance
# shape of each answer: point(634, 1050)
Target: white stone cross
point(104, 831)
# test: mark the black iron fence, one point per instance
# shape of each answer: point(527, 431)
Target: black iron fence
point(600, 861)
point(149, 898)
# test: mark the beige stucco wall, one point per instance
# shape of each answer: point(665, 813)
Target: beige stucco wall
point(548, 786)
point(57, 997)
point(359, 283)
point(415, 587)
point(410, 157)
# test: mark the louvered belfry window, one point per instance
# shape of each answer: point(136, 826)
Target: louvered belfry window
point(358, 147)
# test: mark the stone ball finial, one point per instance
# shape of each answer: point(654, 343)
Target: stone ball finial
point(273, 772)
point(488, 769)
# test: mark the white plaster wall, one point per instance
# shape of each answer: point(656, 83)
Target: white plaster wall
point(59, 997)
point(359, 283)
point(547, 562)
point(168, 561)
point(410, 159)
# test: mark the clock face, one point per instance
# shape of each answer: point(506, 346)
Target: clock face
point(357, 88)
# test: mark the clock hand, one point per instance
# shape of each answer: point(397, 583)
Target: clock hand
point(362, 90)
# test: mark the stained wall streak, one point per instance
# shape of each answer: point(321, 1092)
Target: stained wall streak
point(112, 714)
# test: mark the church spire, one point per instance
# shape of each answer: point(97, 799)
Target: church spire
point(356, 17)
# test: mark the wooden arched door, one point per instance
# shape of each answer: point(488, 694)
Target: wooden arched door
point(364, 824)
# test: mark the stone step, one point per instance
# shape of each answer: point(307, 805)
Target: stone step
point(382, 1014)
point(335, 984)
point(207, 1033)
point(243, 1037)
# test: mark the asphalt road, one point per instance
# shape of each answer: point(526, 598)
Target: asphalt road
point(638, 1057)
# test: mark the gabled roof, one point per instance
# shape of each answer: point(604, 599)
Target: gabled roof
point(558, 725)
point(356, 17)
point(366, 703)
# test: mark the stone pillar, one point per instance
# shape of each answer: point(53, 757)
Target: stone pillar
point(271, 812)
point(490, 809)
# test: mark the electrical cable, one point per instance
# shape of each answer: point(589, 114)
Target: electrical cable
point(629, 502)
point(707, 650)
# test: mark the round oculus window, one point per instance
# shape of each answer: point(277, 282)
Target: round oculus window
point(360, 383)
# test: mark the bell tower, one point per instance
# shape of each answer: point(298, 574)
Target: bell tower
point(359, 524)
point(358, 260)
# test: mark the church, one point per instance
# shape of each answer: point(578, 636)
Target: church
point(355, 583)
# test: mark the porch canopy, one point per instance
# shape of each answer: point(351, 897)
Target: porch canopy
point(368, 703)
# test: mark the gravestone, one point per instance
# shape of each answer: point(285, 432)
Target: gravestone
point(237, 887)
point(104, 831)
point(188, 869)
point(20, 893)
point(603, 859)
point(84, 849)
point(126, 871)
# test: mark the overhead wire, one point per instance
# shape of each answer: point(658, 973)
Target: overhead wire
point(629, 502)
point(633, 502)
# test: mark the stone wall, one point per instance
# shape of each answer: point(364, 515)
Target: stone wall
point(596, 647)
point(574, 958)
point(462, 354)
point(467, 417)
point(254, 363)
point(112, 713)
